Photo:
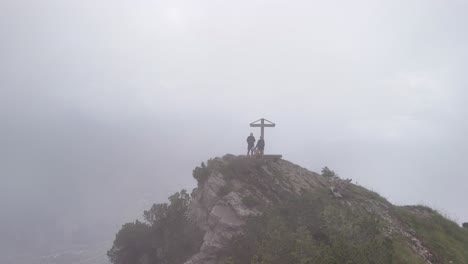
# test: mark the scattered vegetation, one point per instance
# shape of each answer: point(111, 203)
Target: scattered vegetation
point(361, 193)
point(326, 172)
point(166, 236)
point(241, 167)
point(201, 173)
point(304, 229)
point(445, 238)
point(314, 229)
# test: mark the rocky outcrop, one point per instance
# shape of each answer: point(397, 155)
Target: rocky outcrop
point(233, 188)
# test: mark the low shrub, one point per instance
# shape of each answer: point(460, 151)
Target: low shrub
point(166, 236)
point(326, 172)
point(201, 173)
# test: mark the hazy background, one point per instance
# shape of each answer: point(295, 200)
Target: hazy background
point(107, 106)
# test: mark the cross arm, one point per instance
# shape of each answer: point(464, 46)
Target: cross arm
point(260, 125)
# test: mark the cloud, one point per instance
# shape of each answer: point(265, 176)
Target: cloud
point(127, 91)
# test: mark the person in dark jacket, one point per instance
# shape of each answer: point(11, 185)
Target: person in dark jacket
point(260, 146)
point(250, 144)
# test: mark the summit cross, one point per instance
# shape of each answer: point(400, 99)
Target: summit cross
point(262, 123)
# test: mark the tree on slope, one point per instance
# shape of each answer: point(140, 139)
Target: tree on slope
point(166, 236)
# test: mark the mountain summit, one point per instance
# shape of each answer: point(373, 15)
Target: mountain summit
point(268, 210)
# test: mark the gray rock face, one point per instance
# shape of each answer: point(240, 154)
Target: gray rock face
point(219, 204)
point(239, 187)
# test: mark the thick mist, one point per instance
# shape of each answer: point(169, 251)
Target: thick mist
point(107, 106)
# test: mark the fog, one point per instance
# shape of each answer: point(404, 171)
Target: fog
point(107, 106)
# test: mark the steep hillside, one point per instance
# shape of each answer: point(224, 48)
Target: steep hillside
point(269, 211)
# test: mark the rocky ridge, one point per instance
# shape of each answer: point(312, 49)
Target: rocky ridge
point(233, 188)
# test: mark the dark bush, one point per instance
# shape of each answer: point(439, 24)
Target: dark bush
point(130, 244)
point(166, 236)
point(465, 225)
point(326, 172)
point(201, 174)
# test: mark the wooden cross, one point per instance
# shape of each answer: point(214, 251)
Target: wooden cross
point(262, 125)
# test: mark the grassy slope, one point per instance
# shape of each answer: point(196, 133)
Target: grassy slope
point(316, 229)
point(346, 232)
point(443, 237)
point(402, 253)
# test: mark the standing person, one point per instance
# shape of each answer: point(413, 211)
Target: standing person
point(250, 144)
point(260, 146)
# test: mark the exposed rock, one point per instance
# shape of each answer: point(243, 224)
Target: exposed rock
point(335, 192)
point(222, 215)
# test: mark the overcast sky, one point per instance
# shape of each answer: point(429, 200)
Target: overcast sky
point(105, 103)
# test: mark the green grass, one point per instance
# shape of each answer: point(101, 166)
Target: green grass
point(359, 192)
point(313, 228)
point(445, 238)
point(403, 253)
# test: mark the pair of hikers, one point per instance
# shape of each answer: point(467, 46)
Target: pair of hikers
point(251, 143)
